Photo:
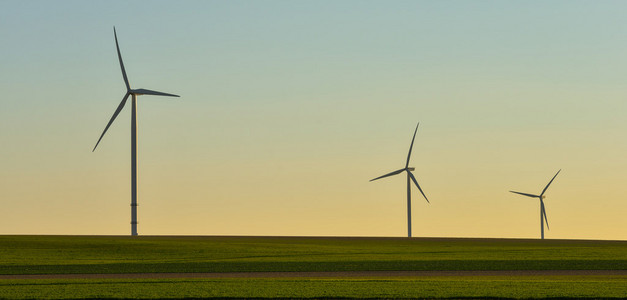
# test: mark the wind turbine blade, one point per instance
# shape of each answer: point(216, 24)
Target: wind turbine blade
point(128, 86)
point(389, 174)
point(544, 214)
point(150, 92)
point(411, 146)
point(547, 186)
point(528, 195)
point(416, 182)
point(115, 114)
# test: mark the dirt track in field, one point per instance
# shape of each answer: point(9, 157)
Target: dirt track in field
point(356, 274)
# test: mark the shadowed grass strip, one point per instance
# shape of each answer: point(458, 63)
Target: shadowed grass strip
point(475, 287)
point(289, 266)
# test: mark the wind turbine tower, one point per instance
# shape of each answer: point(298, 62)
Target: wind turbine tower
point(410, 178)
point(542, 209)
point(134, 93)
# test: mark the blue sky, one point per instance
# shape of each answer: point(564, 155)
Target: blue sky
point(288, 108)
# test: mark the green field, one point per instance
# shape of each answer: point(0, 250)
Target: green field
point(78, 254)
point(439, 287)
point(107, 254)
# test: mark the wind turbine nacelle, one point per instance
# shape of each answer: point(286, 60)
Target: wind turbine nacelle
point(543, 196)
point(410, 168)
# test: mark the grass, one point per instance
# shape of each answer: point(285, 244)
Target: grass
point(438, 287)
point(107, 254)
point(110, 254)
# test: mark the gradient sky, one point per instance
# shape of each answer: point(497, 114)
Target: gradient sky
point(288, 108)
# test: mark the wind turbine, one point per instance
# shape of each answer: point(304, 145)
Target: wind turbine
point(134, 93)
point(410, 178)
point(542, 210)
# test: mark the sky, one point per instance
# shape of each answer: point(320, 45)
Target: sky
point(289, 108)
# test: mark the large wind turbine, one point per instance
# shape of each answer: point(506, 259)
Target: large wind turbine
point(410, 177)
point(542, 210)
point(133, 93)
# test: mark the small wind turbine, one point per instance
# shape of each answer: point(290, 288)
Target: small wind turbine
point(542, 210)
point(410, 177)
point(133, 93)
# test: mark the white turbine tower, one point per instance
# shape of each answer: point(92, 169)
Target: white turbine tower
point(542, 210)
point(410, 178)
point(133, 93)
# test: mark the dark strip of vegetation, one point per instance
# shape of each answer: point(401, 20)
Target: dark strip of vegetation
point(560, 287)
point(401, 265)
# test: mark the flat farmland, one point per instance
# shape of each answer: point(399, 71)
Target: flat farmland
point(308, 267)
